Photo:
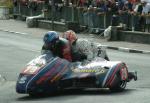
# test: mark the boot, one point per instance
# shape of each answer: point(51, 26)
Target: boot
point(132, 75)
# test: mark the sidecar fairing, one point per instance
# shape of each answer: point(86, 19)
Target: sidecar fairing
point(47, 74)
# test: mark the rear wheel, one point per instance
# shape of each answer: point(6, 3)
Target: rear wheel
point(122, 77)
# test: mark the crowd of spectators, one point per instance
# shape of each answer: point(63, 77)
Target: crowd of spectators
point(140, 9)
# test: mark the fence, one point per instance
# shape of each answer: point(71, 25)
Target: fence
point(28, 10)
point(4, 12)
point(90, 18)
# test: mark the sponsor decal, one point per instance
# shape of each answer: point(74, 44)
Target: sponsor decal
point(33, 68)
point(89, 70)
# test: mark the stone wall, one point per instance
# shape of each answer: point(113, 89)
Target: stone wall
point(136, 37)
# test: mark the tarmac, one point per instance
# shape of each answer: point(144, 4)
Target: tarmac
point(20, 27)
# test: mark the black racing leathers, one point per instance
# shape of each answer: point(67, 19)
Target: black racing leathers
point(76, 55)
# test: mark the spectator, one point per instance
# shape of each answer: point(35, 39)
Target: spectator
point(33, 7)
point(145, 14)
point(55, 8)
point(88, 17)
point(121, 4)
point(15, 4)
point(104, 6)
point(84, 6)
point(74, 2)
point(101, 5)
point(84, 3)
point(24, 2)
point(137, 19)
point(114, 13)
point(124, 14)
point(114, 7)
point(81, 3)
point(107, 4)
point(137, 7)
point(58, 8)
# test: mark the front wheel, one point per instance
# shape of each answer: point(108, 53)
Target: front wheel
point(119, 87)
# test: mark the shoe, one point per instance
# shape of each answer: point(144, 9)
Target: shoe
point(135, 75)
point(132, 75)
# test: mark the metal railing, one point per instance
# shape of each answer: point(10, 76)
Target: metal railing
point(85, 17)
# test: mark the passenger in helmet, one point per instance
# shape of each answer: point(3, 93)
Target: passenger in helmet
point(72, 38)
point(59, 46)
point(82, 48)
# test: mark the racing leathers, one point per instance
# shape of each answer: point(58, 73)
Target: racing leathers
point(76, 54)
point(61, 49)
point(85, 49)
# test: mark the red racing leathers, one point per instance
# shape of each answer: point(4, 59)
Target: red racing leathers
point(61, 49)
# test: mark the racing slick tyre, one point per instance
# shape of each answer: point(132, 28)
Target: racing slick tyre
point(119, 87)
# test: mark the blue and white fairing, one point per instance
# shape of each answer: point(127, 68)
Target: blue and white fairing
point(47, 73)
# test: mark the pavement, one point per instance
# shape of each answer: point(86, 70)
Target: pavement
point(20, 27)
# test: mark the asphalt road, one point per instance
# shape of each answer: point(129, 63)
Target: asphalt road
point(17, 50)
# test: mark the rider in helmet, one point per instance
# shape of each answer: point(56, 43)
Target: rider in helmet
point(59, 46)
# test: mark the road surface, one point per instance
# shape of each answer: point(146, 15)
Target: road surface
point(17, 50)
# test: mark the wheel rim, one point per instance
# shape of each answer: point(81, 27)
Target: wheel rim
point(123, 84)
